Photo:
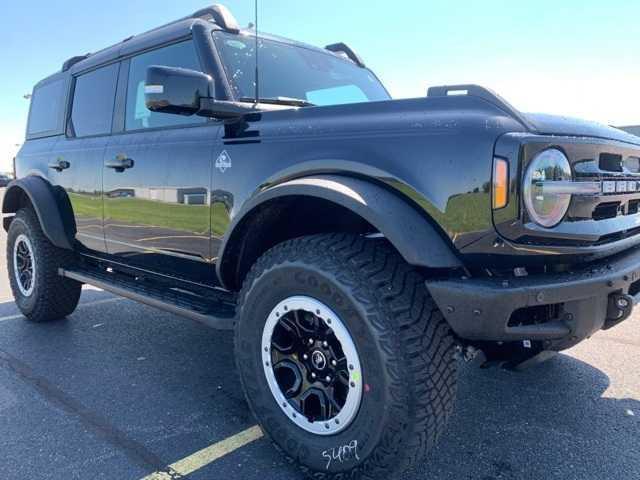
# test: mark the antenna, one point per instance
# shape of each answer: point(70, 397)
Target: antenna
point(256, 54)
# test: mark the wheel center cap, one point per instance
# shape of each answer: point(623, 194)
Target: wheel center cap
point(319, 360)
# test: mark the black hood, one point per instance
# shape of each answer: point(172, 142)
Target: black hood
point(574, 127)
point(538, 123)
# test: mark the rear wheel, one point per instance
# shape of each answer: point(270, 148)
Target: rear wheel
point(33, 262)
point(345, 360)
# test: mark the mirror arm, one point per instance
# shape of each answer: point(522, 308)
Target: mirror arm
point(222, 109)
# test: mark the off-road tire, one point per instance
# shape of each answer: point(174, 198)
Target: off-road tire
point(53, 297)
point(404, 344)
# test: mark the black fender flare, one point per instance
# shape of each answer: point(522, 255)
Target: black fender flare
point(46, 204)
point(410, 232)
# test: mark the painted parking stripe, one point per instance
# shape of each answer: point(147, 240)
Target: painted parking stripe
point(207, 455)
point(81, 305)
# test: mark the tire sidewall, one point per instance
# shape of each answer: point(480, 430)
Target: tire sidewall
point(350, 447)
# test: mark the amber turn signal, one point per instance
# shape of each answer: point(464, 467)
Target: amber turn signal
point(500, 183)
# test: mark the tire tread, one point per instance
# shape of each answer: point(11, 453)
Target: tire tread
point(412, 332)
point(57, 297)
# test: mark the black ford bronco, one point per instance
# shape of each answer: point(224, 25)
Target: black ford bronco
point(357, 245)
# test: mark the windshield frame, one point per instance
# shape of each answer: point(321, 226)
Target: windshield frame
point(238, 96)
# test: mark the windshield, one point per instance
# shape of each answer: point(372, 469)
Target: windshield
point(295, 72)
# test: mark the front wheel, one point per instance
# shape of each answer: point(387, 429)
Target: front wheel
point(32, 263)
point(345, 360)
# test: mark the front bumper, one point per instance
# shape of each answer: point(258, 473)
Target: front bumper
point(491, 309)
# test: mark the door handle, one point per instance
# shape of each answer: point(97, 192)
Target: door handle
point(59, 164)
point(120, 163)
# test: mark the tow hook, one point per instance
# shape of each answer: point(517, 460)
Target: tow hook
point(619, 308)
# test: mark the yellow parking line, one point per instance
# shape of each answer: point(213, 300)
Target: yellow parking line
point(208, 455)
point(81, 305)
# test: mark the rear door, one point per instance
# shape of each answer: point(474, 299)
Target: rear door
point(76, 164)
point(157, 175)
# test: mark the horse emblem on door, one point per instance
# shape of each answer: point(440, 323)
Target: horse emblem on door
point(223, 161)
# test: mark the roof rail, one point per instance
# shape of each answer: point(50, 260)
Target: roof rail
point(344, 50)
point(73, 60)
point(219, 14)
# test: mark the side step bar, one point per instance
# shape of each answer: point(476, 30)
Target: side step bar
point(215, 314)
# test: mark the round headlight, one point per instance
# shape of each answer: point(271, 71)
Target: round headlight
point(545, 207)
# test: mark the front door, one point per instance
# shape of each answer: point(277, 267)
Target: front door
point(157, 177)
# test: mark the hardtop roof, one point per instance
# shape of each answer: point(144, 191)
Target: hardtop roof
point(166, 34)
point(161, 35)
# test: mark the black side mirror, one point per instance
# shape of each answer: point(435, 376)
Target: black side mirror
point(187, 92)
point(176, 90)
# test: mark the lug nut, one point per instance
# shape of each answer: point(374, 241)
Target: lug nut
point(334, 363)
point(305, 356)
point(313, 375)
point(310, 341)
point(325, 344)
point(328, 378)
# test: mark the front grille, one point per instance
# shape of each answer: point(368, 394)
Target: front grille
point(608, 205)
point(616, 167)
point(606, 210)
point(616, 162)
point(610, 162)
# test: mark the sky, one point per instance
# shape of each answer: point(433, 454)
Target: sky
point(578, 58)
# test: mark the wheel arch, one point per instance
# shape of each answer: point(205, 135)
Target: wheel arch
point(349, 204)
point(51, 207)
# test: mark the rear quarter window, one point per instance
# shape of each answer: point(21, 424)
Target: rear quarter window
point(47, 103)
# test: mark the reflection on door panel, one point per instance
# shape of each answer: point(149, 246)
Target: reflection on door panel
point(164, 216)
point(161, 204)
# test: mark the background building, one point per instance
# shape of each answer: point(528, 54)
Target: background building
point(632, 129)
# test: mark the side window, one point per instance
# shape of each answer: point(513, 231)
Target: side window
point(137, 115)
point(46, 108)
point(93, 99)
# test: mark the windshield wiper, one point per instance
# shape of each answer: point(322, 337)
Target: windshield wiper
point(296, 102)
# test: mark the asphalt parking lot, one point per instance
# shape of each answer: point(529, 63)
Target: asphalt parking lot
point(120, 390)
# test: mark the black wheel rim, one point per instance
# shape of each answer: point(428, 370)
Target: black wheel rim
point(24, 265)
point(312, 365)
point(309, 365)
